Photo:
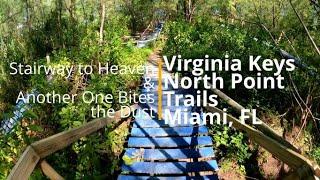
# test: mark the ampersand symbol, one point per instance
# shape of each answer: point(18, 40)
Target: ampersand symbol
point(148, 85)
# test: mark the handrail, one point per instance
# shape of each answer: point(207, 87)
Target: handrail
point(263, 127)
point(49, 171)
point(265, 137)
point(270, 140)
point(45, 147)
point(288, 156)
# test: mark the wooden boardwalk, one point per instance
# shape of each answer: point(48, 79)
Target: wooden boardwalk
point(156, 150)
point(166, 151)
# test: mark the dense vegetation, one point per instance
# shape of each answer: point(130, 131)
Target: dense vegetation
point(65, 35)
point(231, 30)
point(68, 32)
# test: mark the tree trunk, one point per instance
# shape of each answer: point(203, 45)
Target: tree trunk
point(305, 28)
point(188, 9)
point(102, 14)
point(28, 16)
point(273, 15)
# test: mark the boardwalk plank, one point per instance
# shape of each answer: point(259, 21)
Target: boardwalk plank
point(170, 154)
point(150, 118)
point(128, 177)
point(169, 142)
point(154, 123)
point(152, 140)
point(170, 167)
point(169, 131)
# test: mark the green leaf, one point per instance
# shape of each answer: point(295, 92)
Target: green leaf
point(36, 128)
point(127, 160)
point(77, 123)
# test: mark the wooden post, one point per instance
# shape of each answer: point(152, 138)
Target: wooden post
point(40, 149)
point(61, 140)
point(26, 164)
point(49, 171)
point(299, 174)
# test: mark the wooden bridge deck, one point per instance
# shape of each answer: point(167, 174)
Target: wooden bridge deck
point(161, 151)
point(167, 151)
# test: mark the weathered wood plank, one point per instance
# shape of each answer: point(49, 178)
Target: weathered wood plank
point(49, 171)
point(165, 108)
point(128, 177)
point(170, 167)
point(25, 165)
point(169, 131)
point(287, 155)
point(169, 142)
point(154, 123)
point(142, 123)
point(262, 127)
point(175, 99)
point(150, 120)
point(300, 173)
point(170, 154)
point(61, 140)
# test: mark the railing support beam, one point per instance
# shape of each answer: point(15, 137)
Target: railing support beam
point(49, 171)
point(286, 155)
point(45, 147)
point(26, 164)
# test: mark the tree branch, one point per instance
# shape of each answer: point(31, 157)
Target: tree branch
point(306, 29)
point(103, 14)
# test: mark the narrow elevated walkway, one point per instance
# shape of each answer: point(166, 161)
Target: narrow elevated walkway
point(157, 150)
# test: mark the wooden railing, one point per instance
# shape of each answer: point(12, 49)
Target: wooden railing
point(263, 135)
point(263, 127)
point(36, 152)
point(266, 137)
point(302, 168)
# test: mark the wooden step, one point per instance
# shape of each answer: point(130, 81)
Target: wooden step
point(160, 149)
point(168, 90)
point(168, 142)
point(154, 76)
point(154, 80)
point(169, 154)
point(154, 100)
point(154, 123)
point(165, 98)
point(182, 109)
point(150, 113)
point(169, 131)
point(158, 168)
point(131, 177)
point(155, 87)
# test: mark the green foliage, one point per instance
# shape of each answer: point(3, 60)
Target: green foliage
point(13, 144)
point(140, 13)
point(208, 37)
point(137, 156)
point(315, 153)
point(109, 144)
point(65, 34)
point(128, 160)
point(232, 144)
point(68, 32)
